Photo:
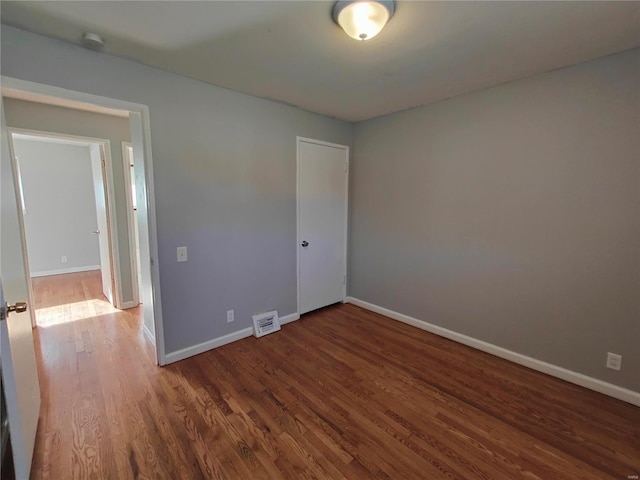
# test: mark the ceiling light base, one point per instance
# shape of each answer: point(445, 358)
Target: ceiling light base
point(363, 19)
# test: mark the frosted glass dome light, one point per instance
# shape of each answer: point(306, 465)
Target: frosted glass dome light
point(363, 19)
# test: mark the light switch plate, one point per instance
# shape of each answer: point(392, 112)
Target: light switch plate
point(182, 254)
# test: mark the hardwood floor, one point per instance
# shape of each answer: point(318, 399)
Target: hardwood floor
point(341, 394)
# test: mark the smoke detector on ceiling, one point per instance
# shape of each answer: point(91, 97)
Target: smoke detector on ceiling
point(92, 41)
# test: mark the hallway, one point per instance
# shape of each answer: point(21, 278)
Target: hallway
point(82, 345)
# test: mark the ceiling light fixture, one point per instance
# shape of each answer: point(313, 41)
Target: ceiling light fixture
point(363, 19)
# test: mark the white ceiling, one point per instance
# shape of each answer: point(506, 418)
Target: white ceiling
point(292, 52)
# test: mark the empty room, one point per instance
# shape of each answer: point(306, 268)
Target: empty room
point(320, 240)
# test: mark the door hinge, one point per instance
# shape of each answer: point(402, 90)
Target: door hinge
point(344, 279)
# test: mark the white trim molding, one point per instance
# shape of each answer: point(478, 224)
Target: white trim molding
point(292, 317)
point(46, 273)
point(576, 378)
point(147, 333)
point(187, 352)
point(220, 341)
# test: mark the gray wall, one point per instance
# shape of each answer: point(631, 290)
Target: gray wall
point(48, 118)
point(225, 182)
point(511, 215)
point(60, 206)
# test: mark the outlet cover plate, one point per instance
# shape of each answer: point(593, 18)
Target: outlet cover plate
point(614, 361)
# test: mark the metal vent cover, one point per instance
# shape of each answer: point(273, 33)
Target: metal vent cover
point(265, 323)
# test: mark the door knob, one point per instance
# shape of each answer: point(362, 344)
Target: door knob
point(305, 243)
point(97, 232)
point(19, 307)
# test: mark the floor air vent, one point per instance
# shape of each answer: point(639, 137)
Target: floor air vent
point(265, 323)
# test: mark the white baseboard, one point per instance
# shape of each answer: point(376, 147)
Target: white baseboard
point(130, 304)
point(206, 346)
point(292, 317)
point(591, 383)
point(61, 271)
point(219, 342)
point(147, 333)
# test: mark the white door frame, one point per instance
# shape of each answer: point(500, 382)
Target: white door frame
point(346, 211)
point(138, 114)
point(131, 221)
point(107, 177)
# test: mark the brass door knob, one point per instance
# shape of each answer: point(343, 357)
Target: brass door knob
point(19, 307)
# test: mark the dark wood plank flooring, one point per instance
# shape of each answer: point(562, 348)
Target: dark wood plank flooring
point(342, 393)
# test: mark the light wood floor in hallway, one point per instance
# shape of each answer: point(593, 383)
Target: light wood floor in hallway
point(341, 394)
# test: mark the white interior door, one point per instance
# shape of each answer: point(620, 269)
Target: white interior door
point(322, 223)
point(102, 232)
point(17, 353)
point(132, 213)
point(147, 296)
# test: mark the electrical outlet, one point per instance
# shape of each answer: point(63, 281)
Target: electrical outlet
point(64, 259)
point(230, 316)
point(614, 361)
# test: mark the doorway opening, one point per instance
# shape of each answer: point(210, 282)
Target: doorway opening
point(19, 366)
point(133, 242)
point(64, 194)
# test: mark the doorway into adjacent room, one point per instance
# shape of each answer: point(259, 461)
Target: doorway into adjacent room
point(64, 192)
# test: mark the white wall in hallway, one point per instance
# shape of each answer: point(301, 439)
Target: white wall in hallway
point(59, 205)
